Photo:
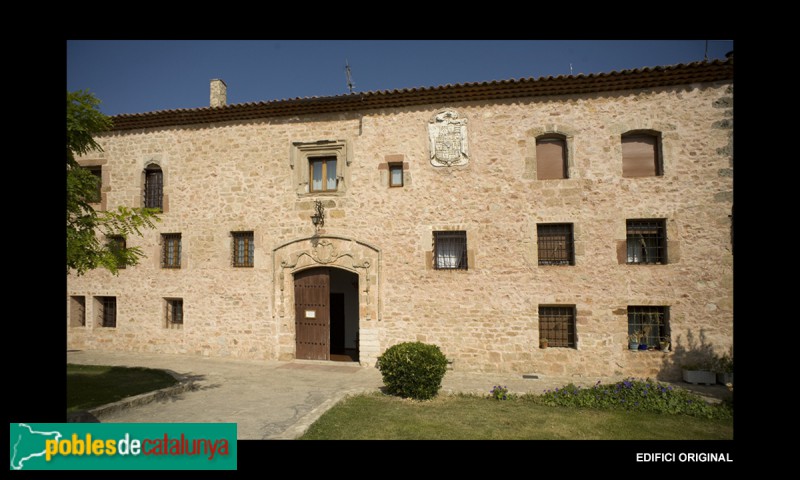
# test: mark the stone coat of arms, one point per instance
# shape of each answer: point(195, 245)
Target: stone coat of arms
point(448, 139)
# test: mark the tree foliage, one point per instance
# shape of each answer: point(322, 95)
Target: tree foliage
point(90, 233)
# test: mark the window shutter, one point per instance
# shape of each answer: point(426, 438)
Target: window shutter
point(639, 156)
point(550, 158)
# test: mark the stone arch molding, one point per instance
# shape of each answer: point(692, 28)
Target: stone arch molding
point(328, 251)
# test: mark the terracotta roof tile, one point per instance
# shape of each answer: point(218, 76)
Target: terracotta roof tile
point(648, 77)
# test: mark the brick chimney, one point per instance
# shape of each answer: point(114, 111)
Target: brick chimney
point(219, 93)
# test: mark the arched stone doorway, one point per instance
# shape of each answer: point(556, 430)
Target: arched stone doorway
point(326, 314)
point(348, 265)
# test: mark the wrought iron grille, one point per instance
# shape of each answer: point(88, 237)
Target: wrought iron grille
point(557, 325)
point(243, 249)
point(450, 250)
point(555, 244)
point(108, 311)
point(77, 314)
point(171, 250)
point(154, 187)
point(174, 311)
point(647, 242)
point(648, 324)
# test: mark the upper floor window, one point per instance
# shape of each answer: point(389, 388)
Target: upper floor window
point(640, 154)
point(154, 187)
point(450, 250)
point(243, 249)
point(551, 157)
point(647, 241)
point(322, 173)
point(117, 244)
point(171, 250)
point(97, 172)
point(395, 174)
point(555, 242)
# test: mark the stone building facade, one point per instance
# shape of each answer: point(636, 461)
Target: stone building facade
point(479, 217)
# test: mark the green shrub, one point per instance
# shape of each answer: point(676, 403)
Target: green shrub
point(636, 395)
point(500, 393)
point(413, 370)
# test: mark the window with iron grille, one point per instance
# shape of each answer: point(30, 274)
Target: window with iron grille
point(323, 174)
point(450, 250)
point(154, 187)
point(174, 312)
point(395, 174)
point(107, 312)
point(557, 325)
point(97, 172)
point(117, 244)
point(171, 250)
point(647, 241)
point(555, 244)
point(640, 154)
point(649, 325)
point(243, 249)
point(77, 311)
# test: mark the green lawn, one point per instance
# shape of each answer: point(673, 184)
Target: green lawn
point(90, 386)
point(376, 416)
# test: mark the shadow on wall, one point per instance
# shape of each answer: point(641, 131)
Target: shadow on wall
point(696, 350)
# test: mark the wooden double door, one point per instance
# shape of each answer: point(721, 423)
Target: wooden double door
point(319, 315)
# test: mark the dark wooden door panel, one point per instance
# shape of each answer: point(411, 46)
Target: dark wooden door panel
point(312, 314)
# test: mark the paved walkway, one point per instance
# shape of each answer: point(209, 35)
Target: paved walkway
point(279, 400)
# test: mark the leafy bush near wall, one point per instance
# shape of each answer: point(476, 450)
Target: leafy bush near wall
point(413, 370)
point(636, 395)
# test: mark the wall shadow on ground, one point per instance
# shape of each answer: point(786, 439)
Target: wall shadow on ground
point(692, 350)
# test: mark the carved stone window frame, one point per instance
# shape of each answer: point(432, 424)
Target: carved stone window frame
point(565, 133)
point(300, 154)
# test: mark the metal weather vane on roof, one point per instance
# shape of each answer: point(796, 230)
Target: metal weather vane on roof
point(350, 83)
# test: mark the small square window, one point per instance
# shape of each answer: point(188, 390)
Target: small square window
point(323, 174)
point(648, 325)
point(395, 174)
point(646, 241)
point(106, 312)
point(557, 325)
point(174, 312)
point(243, 249)
point(171, 250)
point(555, 243)
point(450, 250)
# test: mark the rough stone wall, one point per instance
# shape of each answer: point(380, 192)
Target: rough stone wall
point(237, 176)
